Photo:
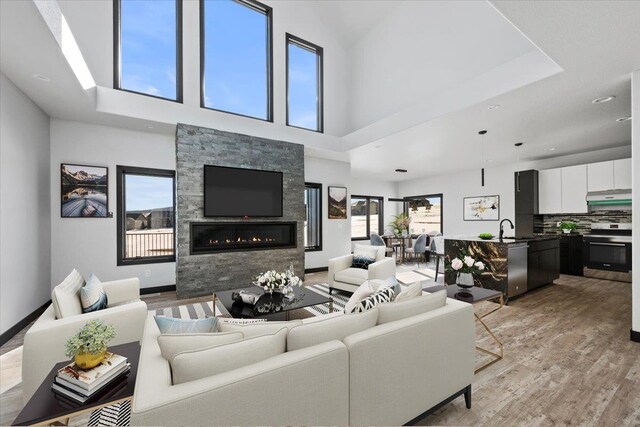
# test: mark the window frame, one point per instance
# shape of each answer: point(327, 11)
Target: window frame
point(318, 50)
point(380, 201)
point(405, 207)
point(117, 54)
point(121, 216)
point(318, 187)
point(268, 12)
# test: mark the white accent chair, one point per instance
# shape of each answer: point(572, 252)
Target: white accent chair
point(44, 342)
point(346, 278)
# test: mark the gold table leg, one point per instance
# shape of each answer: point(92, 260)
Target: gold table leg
point(497, 356)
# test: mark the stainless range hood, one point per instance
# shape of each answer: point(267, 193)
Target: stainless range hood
point(609, 200)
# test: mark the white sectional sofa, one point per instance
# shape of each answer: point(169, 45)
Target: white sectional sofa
point(385, 374)
point(44, 342)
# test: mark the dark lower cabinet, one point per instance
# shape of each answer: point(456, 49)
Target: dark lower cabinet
point(571, 249)
point(543, 262)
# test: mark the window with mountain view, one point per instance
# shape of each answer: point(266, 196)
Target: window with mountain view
point(313, 218)
point(425, 213)
point(236, 54)
point(147, 40)
point(146, 215)
point(366, 217)
point(304, 84)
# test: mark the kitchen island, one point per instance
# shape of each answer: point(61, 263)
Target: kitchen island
point(513, 265)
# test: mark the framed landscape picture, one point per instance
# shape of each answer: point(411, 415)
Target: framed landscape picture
point(483, 208)
point(337, 202)
point(84, 191)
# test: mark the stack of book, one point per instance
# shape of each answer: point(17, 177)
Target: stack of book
point(81, 385)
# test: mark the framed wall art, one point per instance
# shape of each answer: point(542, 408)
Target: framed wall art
point(482, 208)
point(84, 191)
point(337, 202)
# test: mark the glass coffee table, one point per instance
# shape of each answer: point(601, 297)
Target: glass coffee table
point(269, 306)
point(473, 296)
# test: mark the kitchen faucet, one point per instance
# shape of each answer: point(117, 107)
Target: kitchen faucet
point(502, 229)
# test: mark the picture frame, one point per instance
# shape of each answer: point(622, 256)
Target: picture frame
point(84, 191)
point(481, 208)
point(337, 202)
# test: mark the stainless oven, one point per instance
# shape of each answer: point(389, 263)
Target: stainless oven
point(608, 247)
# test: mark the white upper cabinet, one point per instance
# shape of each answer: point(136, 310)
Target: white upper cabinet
point(622, 174)
point(550, 191)
point(600, 176)
point(574, 189)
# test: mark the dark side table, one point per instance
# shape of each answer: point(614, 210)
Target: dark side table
point(473, 296)
point(47, 408)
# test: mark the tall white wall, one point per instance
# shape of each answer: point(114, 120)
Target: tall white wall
point(89, 244)
point(336, 233)
point(25, 229)
point(635, 143)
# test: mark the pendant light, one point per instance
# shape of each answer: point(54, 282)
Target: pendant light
point(518, 145)
point(482, 133)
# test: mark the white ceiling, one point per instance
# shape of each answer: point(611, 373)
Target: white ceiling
point(543, 62)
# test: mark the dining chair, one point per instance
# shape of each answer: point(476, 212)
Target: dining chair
point(376, 240)
point(418, 248)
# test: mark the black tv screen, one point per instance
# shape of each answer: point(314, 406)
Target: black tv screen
point(241, 192)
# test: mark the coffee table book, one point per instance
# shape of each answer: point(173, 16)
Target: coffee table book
point(93, 378)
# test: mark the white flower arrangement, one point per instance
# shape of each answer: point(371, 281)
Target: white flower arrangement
point(272, 280)
point(466, 265)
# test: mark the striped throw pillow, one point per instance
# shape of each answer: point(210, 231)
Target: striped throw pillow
point(383, 295)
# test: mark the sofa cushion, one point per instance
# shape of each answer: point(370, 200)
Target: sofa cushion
point(380, 296)
point(418, 305)
point(66, 296)
point(173, 344)
point(256, 329)
point(362, 261)
point(92, 295)
point(389, 281)
point(376, 252)
point(170, 325)
point(408, 292)
point(361, 293)
point(332, 328)
point(193, 365)
point(353, 276)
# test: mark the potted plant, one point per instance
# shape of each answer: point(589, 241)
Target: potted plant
point(89, 345)
point(400, 224)
point(567, 227)
point(465, 268)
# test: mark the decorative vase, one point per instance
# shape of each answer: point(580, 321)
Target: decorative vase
point(566, 231)
point(465, 280)
point(86, 360)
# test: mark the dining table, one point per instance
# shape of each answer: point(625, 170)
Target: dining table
point(398, 244)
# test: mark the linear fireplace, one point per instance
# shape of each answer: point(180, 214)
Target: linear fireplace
point(213, 237)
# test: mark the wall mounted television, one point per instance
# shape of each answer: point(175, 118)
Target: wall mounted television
point(236, 192)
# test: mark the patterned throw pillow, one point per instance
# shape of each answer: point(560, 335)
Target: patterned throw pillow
point(170, 325)
point(381, 296)
point(362, 261)
point(92, 295)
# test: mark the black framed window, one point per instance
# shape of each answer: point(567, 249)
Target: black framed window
point(367, 216)
point(147, 46)
point(304, 84)
point(425, 212)
point(146, 215)
point(313, 217)
point(236, 58)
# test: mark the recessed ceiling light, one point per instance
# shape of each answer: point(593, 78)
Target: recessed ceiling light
point(377, 146)
point(623, 119)
point(493, 107)
point(149, 126)
point(401, 170)
point(41, 77)
point(550, 149)
point(603, 99)
point(490, 161)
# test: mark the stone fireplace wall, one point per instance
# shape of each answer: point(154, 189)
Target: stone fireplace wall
point(202, 274)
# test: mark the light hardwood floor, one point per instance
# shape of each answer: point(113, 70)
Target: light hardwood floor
point(568, 360)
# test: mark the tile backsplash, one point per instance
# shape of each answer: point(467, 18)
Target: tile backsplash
point(547, 224)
